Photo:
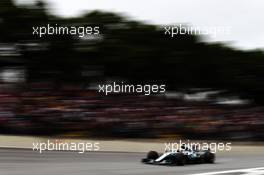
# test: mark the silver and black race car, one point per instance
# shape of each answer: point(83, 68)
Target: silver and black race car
point(180, 157)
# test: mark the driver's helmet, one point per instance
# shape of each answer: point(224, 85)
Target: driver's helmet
point(183, 147)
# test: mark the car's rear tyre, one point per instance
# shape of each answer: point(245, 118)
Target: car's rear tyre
point(153, 155)
point(209, 157)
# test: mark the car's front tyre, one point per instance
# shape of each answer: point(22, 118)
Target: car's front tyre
point(152, 155)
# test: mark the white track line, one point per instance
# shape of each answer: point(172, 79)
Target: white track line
point(249, 170)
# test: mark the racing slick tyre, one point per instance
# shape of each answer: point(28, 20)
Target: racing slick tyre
point(209, 157)
point(152, 155)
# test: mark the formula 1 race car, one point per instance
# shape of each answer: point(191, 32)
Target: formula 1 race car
point(180, 157)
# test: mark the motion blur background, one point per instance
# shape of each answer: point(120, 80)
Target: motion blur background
point(48, 85)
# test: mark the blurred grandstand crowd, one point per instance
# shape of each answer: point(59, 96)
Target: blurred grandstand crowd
point(45, 83)
point(43, 109)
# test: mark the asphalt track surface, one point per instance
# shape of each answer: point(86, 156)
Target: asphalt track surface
point(27, 162)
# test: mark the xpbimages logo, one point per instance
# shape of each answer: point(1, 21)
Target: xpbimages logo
point(80, 31)
point(58, 145)
point(213, 31)
point(212, 146)
point(145, 89)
